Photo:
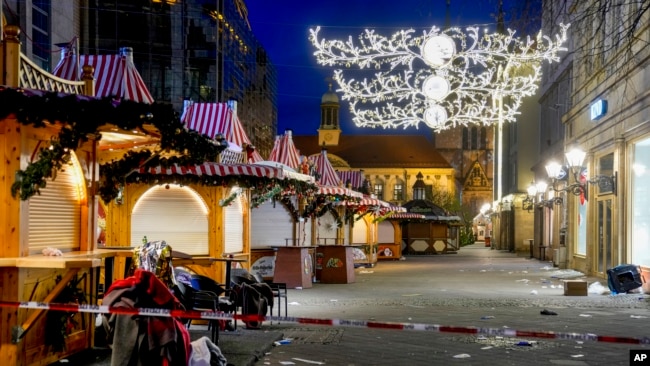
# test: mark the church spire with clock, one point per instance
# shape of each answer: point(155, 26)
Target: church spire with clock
point(329, 130)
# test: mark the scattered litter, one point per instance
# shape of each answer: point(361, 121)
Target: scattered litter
point(309, 361)
point(481, 338)
point(523, 280)
point(577, 356)
point(487, 317)
point(282, 342)
point(524, 343)
point(566, 274)
point(547, 312)
point(333, 300)
point(597, 289)
point(487, 347)
point(585, 315)
point(534, 292)
point(65, 360)
point(462, 355)
point(409, 318)
point(364, 271)
point(299, 288)
point(294, 303)
point(287, 363)
point(638, 316)
point(402, 258)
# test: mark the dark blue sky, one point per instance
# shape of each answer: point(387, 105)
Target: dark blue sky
point(282, 27)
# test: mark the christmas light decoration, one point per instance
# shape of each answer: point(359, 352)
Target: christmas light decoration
point(442, 78)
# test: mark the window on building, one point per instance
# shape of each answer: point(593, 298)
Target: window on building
point(378, 190)
point(398, 192)
point(41, 33)
point(640, 202)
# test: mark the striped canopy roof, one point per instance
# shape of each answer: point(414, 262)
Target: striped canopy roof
point(355, 177)
point(218, 118)
point(115, 75)
point(328, 176)
point(223, 170)
point(284, 151)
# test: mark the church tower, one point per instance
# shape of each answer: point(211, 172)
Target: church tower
point(329, 130)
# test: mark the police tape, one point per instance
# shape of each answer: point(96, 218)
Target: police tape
point(218, 315)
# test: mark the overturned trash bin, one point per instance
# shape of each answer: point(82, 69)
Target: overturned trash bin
point(623, 278)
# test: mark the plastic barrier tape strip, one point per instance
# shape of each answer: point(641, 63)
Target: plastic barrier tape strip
point(211, 315)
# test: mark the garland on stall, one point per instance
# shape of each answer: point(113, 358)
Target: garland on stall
point(228, 200)
point(81, 119)
point(265, 196)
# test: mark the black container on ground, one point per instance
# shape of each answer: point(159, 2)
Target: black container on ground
point(623, 278)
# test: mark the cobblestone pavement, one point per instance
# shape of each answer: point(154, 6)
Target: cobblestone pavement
point(477, 287)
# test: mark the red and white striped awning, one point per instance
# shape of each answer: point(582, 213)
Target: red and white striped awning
point(370, 201)
point(284, 151)
point(405, 215)
point(328, 176)
point(115, 75)
point(223, 170)
point(218, 118)
point(355, 178)
point(338, 191)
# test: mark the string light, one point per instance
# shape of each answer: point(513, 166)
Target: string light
point(442, 78)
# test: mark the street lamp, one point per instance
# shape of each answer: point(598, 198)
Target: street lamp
point(574, 159)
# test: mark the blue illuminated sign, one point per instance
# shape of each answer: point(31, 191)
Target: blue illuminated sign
point(598, 109)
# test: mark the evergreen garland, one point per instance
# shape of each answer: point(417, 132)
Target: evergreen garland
point(81, 118)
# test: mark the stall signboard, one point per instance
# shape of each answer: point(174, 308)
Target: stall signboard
point(264, 266)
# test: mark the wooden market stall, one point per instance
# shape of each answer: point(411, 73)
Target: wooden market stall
point(437, 233)
point(49, 192)
point(68, 157)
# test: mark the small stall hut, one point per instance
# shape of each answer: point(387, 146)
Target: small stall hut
point(278, 222)
point(437, 233)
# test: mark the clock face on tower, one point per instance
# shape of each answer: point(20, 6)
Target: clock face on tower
point(435, 87)
point(328, 136)
point(435, 116)
point(438, 50)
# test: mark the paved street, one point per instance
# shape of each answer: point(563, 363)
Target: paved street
point(477, 287)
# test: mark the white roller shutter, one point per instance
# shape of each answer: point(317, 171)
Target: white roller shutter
point(233, 218)
point(174, 214)
point(55, 214)
point(360, 232)
point(386, 232)
point(270, 225)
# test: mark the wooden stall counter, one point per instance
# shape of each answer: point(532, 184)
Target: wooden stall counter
point(336, 263)
point(294, 266)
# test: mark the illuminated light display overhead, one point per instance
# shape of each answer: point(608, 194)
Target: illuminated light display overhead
point(442, 78)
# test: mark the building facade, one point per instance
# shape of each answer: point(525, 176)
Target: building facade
point(595, 218)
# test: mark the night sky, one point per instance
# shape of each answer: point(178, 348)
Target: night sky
point(282, 27)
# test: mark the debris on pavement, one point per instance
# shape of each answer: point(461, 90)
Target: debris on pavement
point(547, 312)
point(462, 355)
point(597, 289)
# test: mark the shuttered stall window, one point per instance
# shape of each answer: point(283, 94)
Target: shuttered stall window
point(175, 214)
point(386, 232)
point(234, 223)
point(271, 225)
point(359, 231)
point(55, 214)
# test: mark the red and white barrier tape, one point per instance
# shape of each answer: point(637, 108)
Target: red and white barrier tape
point(211, 315)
